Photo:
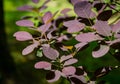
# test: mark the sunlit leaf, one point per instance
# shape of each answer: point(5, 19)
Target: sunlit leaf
point(114, 18)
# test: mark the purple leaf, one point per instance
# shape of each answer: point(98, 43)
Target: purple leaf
point(35, 1)
point(87, 37)
point(23, 36)
point(80, 45)
point(47, 17)
point(57, 76)
point(28, 49)
point(42, 8)
point(50, 53)
point(70, 61)
point(25, 8)
point(61, 38)
point(114, 42)
point(73, 26)
point(65, 11)
point(25, 23)
point(81, 78)
point(116, 27)
point(76, 1)
point(103, 28)
point(117, 36)
point(49, 35)
point(44, 28)
point(63, 58)
point(83, 9)
point(43, 65)
point(70, 70)
point(101, 52)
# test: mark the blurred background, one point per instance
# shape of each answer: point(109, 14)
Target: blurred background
point(15, 68)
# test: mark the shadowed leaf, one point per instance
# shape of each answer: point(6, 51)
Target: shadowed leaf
point(105, 15)
point(76, 80)
point(53, 76)
point(79, 71)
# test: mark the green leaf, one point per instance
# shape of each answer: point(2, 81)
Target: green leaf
point(86, 59)
point(114, 18)
point(113, 77)
point(70, 42)
point(39, 53)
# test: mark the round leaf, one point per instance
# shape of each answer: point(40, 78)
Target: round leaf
point(70, 70)
point(23, 36)
point(50, 53)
